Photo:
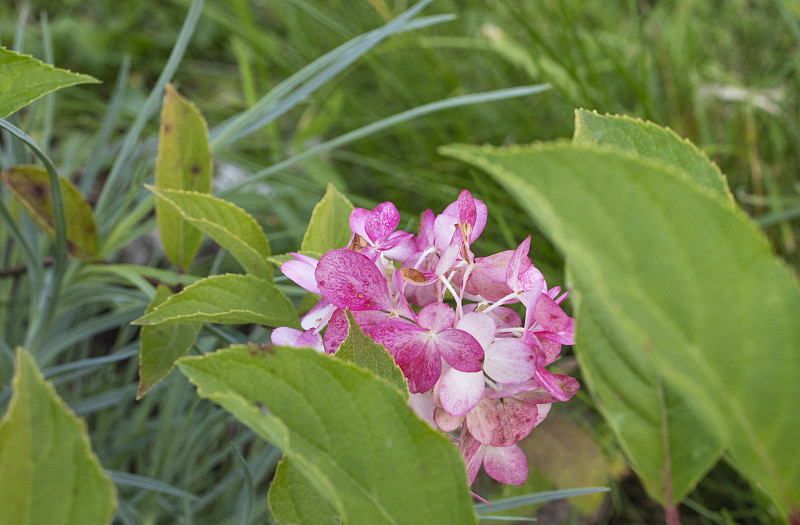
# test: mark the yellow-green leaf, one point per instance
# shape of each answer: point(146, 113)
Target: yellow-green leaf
point(161, 345)
point(329, 227)
point(24, 79)
point(48, 472)
point(31, 186)
point(230, 226)
point(230, 299)
point(183, 163)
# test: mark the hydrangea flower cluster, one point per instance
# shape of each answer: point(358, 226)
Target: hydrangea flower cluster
point(472, 363)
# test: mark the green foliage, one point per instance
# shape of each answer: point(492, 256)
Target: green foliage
point(293, 499)
point(328, 228)
point(230, 226)
point(362, 351)
point(161, 345)
point(229, 299)
point(684, 279)
point(24, 79)
point(651, 141)
point(31, 186)
point(351, 435)
point(48, 472)
point(183, 163)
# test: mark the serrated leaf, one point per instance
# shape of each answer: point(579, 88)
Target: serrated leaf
point(161, 345)
point(349, 433)
point(183, 163)
point(669, 446)
point(48, 472)
point(651, 141)
point(329, 227)
point(30, 185)
point(361, 350)
point(230, 226)
point(227, 299)
point(293, 499)
point(24, 79)
point(686, 278)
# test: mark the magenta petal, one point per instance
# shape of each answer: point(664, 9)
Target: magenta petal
point(337, 329)
point(311, 339)
point(423, 372)
point(394, 240)
point(566, 336)
point(403, 339)
point(349, 279)
point(381, 222)
point(436, 317)
point(481, 214)
point(509, 361)
point(460, 392)
point(461, 351)
point(502, 422)
point(488, 277)
point(506, 464)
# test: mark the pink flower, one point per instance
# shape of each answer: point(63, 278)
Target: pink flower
point(504, 464)
point(374, 232)
point(419, 348)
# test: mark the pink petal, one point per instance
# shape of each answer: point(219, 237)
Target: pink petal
point(479, 325)
point(445, 421)
point(424, 407)
point(550, 315)
point(357, 219)
point(533, 392)
point(318, 316)
point(311, 339)
point(481, 214)
point(436, 317)
point(566, 336)
point(459, 349)
point(337, 330)
point(423, 372)
point(403, 339)
point(518, 264)
point(450, 255)
point(506, 464)
point(550, 383)
point(502, 422)
point(472, 451)
point(381, 222)
point(460, 392)
point(399, 246)
point(285, 336)
point(467, 214)
point(301, 271)
point(425, 235)
point(349, 279)
point(509, 361)
point(488, 277)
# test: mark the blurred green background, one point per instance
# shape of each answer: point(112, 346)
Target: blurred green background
point(722, 74)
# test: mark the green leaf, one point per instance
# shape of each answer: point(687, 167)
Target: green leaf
point(161, 345)
point(684, 277)
point(48, 472)
point(230, 226)
point(347, 432)
point(183, 163)
point(293, 499)
point(329, 227)
point(669, 446)
point(363, 351)
point(651, 141)
point(228, 299)
point(24, 79)
point(31, 187)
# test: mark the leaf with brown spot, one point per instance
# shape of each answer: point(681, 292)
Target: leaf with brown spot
point(183, 163)
point(30, 185)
